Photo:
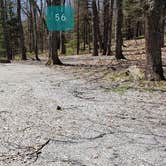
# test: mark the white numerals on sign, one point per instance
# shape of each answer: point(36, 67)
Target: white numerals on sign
point(63, 17)
point(59, 17)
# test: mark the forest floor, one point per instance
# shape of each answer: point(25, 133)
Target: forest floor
point(81, 115)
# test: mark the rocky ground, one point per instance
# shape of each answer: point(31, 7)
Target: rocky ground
point(51, 117)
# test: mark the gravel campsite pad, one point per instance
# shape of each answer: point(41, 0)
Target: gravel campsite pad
point(48, 117)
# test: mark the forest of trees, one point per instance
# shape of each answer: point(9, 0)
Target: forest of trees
point(101, 26)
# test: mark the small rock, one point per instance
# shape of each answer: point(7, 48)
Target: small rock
point(163, 123)
point(135, 72)
point(59, 108)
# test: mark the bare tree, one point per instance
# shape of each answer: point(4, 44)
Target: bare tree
point(54, 39)
point(95, 28)
point(154, 70)
point(106, 4)
point(21, 32)
point(35, 31)
point(118, 30)
point(78, 27)
point(7, 44)
point(109, 52)
point(163, 17)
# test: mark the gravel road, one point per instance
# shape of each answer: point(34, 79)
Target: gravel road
point(50, 118)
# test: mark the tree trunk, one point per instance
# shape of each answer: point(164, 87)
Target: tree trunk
point(106, 25)
point(42, 34)
point(53, 48)
point(84, 35)
point(89, 37)
point(21, 32)
point(78, 27)
point(36, 50)
point(31, 26)
point(63, 46)
point(63, 39)
point(30, 43)
point(5, 30)
point(95, 28)
point(118, 30)
point(154, 70)
point(54, 39)
point(163, 15)
point(100, 40)
point(109, 51)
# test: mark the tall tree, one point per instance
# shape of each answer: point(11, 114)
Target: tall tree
point(95, 28)
point(163, 17)
point(35, 31)
point(118, 30)
point(109, 52)
point(54, 38)
point(78, 27)
point(21, 32)
point(30, 27)
point(154, 70)
point(106, 25)
point(41, 24)
point(3, 12)
point(99, 25)
point(63, 38)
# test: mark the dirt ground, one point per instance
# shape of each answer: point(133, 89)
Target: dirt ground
point(77, 116)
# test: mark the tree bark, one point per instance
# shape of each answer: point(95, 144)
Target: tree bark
point(95, 28)
point(54, 39)
point(5, 30)
point(63, 46)
point(109, 51)
point(21, 32)
point(118, 30)
point(78, 27)
point(36, 50)
point(106, 25)
point(31, 26)
point(63, 38)
point(100, 40)
point(163, 15)
point(42, 27)
point(154, 70)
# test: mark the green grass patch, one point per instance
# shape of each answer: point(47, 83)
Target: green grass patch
point(122, 88)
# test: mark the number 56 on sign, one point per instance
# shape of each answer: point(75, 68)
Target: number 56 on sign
point(60, 18)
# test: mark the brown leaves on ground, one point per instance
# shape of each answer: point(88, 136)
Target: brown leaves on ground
point(111, 72)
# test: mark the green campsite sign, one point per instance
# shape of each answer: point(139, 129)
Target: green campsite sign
point(60, 18)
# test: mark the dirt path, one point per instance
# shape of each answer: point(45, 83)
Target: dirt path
point(94, 127)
